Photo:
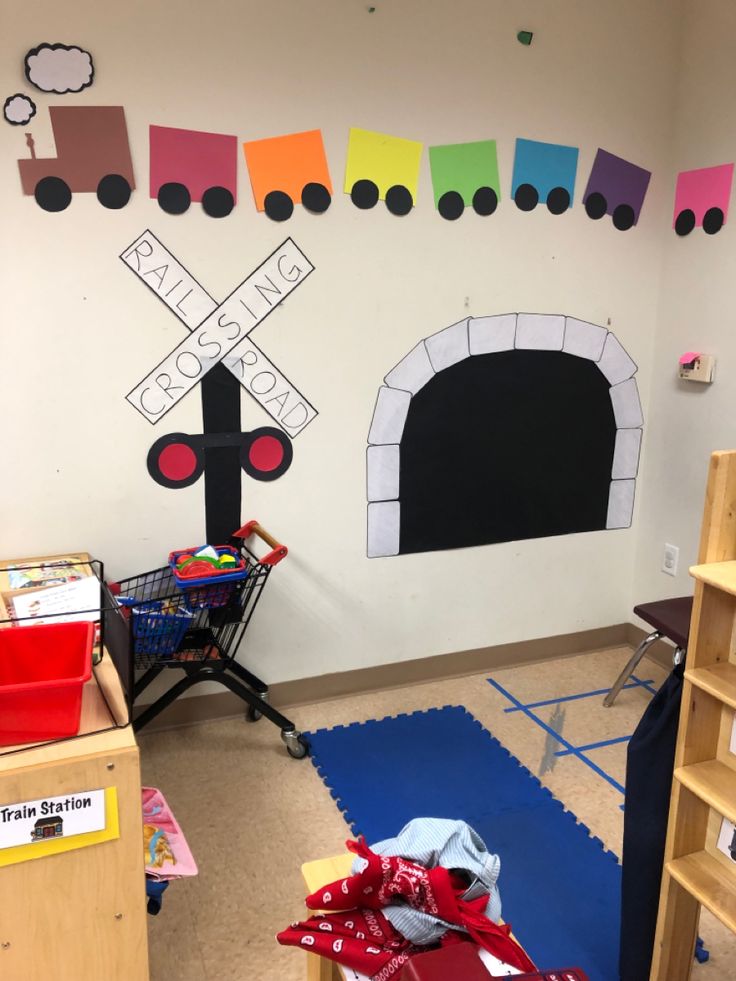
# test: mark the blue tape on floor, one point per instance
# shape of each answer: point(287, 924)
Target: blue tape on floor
point(584, 749)
point(634, 683)
point(560, 889)
point(560, 739)
point(645, 684)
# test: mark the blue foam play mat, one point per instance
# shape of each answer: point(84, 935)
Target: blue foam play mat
point(560, 888)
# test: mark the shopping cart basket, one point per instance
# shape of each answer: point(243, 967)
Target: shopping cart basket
point(202, 640)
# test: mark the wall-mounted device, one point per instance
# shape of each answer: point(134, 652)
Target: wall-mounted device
point(697, 367)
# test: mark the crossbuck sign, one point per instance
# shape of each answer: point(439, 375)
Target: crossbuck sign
point(219, 332)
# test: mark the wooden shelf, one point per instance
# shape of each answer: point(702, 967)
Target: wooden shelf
point(722, 575)
point(709, 882)
point(704, 786)
point(714, 783)
point(718, 680)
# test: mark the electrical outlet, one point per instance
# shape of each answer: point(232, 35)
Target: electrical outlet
point(670, 558)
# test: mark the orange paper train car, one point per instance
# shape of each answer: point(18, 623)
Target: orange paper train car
point(289, 170)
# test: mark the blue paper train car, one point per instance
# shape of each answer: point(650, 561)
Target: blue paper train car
point(544, 172)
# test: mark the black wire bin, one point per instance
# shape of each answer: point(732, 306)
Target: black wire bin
point(198, 625)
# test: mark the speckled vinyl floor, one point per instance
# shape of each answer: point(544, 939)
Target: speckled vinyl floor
point(252, 815)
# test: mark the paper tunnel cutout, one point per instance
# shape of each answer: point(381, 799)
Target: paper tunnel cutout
point(579, 372)
point(19, 110)
point(59, 68)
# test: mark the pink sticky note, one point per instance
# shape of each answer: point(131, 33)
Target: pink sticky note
point(700, 190)
point(689, 356)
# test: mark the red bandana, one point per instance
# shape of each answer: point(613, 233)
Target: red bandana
point(435, 891)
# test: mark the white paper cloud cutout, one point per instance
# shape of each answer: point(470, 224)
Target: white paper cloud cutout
point(59, 68)
point(19, 109)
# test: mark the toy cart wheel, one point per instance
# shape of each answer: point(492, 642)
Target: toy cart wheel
point(623, 217)
point(595, 205)
point(278, 206)
point(558, 200)
point(217, 202)
point(174, 198)
point(451, 205)
point(399, 200)
point(685, 222)
point(113, 192)
point(296, 745)
point(316, 198)
point(712, 221)
point(526, 197)
point(52, 194)
point(485, 201)
point(364, 194)
point(253, 715)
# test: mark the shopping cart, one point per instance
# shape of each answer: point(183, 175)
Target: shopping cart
point(200, 631)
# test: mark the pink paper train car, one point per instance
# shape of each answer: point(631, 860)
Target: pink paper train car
point(289, 170)
point(93, 155)
point(617, 188)
point(187, 165)
point(701, 199)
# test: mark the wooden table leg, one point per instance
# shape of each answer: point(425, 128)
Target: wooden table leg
point(322, 969)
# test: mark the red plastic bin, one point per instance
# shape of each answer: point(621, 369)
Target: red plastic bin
point(42, 671)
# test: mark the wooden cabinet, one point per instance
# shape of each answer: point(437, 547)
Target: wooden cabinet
point(697, 872)
point(79, 915)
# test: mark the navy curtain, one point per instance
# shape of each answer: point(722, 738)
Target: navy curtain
point(649, 766)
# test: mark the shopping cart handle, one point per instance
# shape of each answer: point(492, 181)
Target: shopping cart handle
point(278, 551)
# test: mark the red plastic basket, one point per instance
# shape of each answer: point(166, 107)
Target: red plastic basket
point(42, 671)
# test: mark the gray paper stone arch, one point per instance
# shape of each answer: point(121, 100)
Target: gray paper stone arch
point(488, 335)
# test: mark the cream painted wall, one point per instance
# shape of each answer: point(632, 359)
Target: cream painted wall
point(686, 421)
point(79, 330)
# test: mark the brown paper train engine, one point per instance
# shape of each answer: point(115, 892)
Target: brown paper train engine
point(92, 155)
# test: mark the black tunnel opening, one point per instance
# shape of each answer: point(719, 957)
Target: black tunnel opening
point(503, 447)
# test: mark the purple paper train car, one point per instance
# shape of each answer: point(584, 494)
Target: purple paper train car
point(616, 187)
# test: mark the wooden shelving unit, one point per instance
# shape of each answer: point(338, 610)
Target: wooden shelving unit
point(696, 871)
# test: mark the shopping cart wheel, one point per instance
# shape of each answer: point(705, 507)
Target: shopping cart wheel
point(253, 714)
point(296, 745)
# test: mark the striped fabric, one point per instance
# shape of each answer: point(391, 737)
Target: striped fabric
point(453, 845)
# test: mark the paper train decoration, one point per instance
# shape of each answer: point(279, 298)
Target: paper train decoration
point(18, 109)
point(701, 199)
point(289, 170)
point(93, 155)
point(503, 428)
point(186, 166)
point(59, 68)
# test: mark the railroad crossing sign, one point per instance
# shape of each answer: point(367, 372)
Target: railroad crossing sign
point(219, 332)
